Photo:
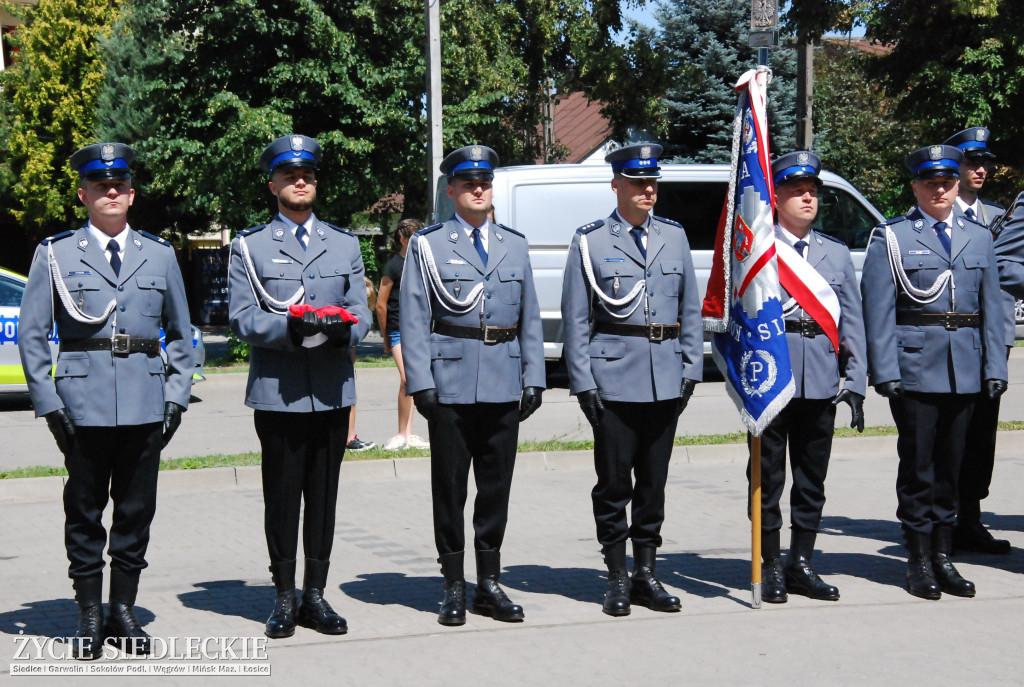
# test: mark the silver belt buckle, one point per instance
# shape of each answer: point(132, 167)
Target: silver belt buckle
point(950, 323)
point(807, 329)
point(120, 344)
point(487, 335)
point(656, 332)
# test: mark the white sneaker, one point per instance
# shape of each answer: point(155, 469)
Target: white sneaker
point(414, 441)
point(395, 443)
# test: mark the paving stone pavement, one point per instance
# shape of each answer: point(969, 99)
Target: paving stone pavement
point(208, 578)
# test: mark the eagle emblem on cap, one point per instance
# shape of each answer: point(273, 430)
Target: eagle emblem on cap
point(935, 152)
point(980, 134)
point(645, 152)
point(107, 152)
point(476, 153)
point(802, 159)
point(296, 143)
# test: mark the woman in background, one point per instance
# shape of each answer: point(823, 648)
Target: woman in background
point(387, 317)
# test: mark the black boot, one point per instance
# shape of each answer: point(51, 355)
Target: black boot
point(489, 598)
point(949, 579)
point(616, 597)
point(644, 587)
point(87, 644)
point(773, 580)
point(970, 535)
point(800, 575)
point(315, 613)
point(920, 576)
point(122, 628)
point(281, 622)
point(453, 607)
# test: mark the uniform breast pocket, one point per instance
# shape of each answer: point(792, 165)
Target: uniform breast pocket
point(152, 289)
point(511, 279)
point(617, 278)
point(974, 264)
point(281, 280)
point(672, 277)
point(85, 291)
point(835, 281)
point(457, 279)
point(335, 280)
point(922, 275)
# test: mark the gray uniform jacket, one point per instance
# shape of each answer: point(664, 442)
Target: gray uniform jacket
point(990, 212)
point(284, 376)
point(932, 359)
point(1009, 248)
point(467, 370)
point(97, 388)
point(816, 368)
point(632, 368)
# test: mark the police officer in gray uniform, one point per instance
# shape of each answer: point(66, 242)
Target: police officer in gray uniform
point(474, 365)
point(634, 349)
point(935, 330)
point(807, 423)
point(979, 456)
point(111, 401)
point(301, 382)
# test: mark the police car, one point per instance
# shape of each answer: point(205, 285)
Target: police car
point(12, 376)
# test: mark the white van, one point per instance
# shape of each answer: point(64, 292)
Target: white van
point(547, 203)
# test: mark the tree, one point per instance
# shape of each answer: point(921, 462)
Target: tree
point(706, 46)
point(48, 110)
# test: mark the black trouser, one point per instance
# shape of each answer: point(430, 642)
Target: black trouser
point(302, 454)
point(932, 430)
point(484, 435)
point(122, 462)
point(807, 425)
point(979, 450)
point(633, 439)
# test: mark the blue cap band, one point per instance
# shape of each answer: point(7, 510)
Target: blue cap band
point(291, 155)
point(635, 163)
point(94, 165)
point(793, 170)
point(930, 164)
point(972, 145)
point(471, 164)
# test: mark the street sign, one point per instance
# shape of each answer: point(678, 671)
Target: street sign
point(763, 39)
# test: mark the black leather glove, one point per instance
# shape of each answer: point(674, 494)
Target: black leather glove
point(172, 418)
point(685, 391)
point(591, 405)
point(62, 429)
point(530, 401)
point(426, 403)
point(994, 388)
point(856, 403)
point(301, 327)
point(338, 331)
point(890, 389)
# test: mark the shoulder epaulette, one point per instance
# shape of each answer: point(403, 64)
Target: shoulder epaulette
point(251, 230)
point(992, 203)
point(831, 238)
point(894, 220)
point(57, 237)
point(154, 237)
point(511, 230)
point(337, 228)
point(971, 221)
point(432, 227)
point(587, 228)
point(668, 221)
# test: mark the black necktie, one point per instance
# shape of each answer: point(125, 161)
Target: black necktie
point(638, 233)
point(969, 212)
point(940, 231)
point(478, 243)
point(115, 257)
point(300, 234)
point(801, 246)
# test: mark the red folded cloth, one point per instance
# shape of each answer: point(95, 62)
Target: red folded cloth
point(300, 310)
point(346, 316)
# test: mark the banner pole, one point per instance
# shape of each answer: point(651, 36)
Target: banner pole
point(755, 520)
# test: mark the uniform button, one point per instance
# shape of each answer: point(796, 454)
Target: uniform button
point(337, 271)
point(654, 312)
point(457, 275)
point(648, 273)
point(616, 271)
point(602, 351)
point(121, 330)
point(313, 297)
point(488, 296)
point(281, 274)
point(152, 283)
point(487, 278)
point(674, 268)
point(312, 276)
point(488, 316)
point(80, 284)
point(513, 274)
point(120, 288)
point(121, 308)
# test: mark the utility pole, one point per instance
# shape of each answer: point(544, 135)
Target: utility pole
point(436, 139)
point(805, 96)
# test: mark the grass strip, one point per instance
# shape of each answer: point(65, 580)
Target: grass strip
point(377, 453)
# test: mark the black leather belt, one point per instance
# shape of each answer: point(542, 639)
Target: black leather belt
point(949, 320)
point(651, 332)
point(489, 335)
point(121, 344)
point(808, 328)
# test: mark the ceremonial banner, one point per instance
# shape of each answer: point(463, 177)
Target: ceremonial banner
point(743, 304)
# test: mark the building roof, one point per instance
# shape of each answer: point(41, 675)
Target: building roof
point(579, 125)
